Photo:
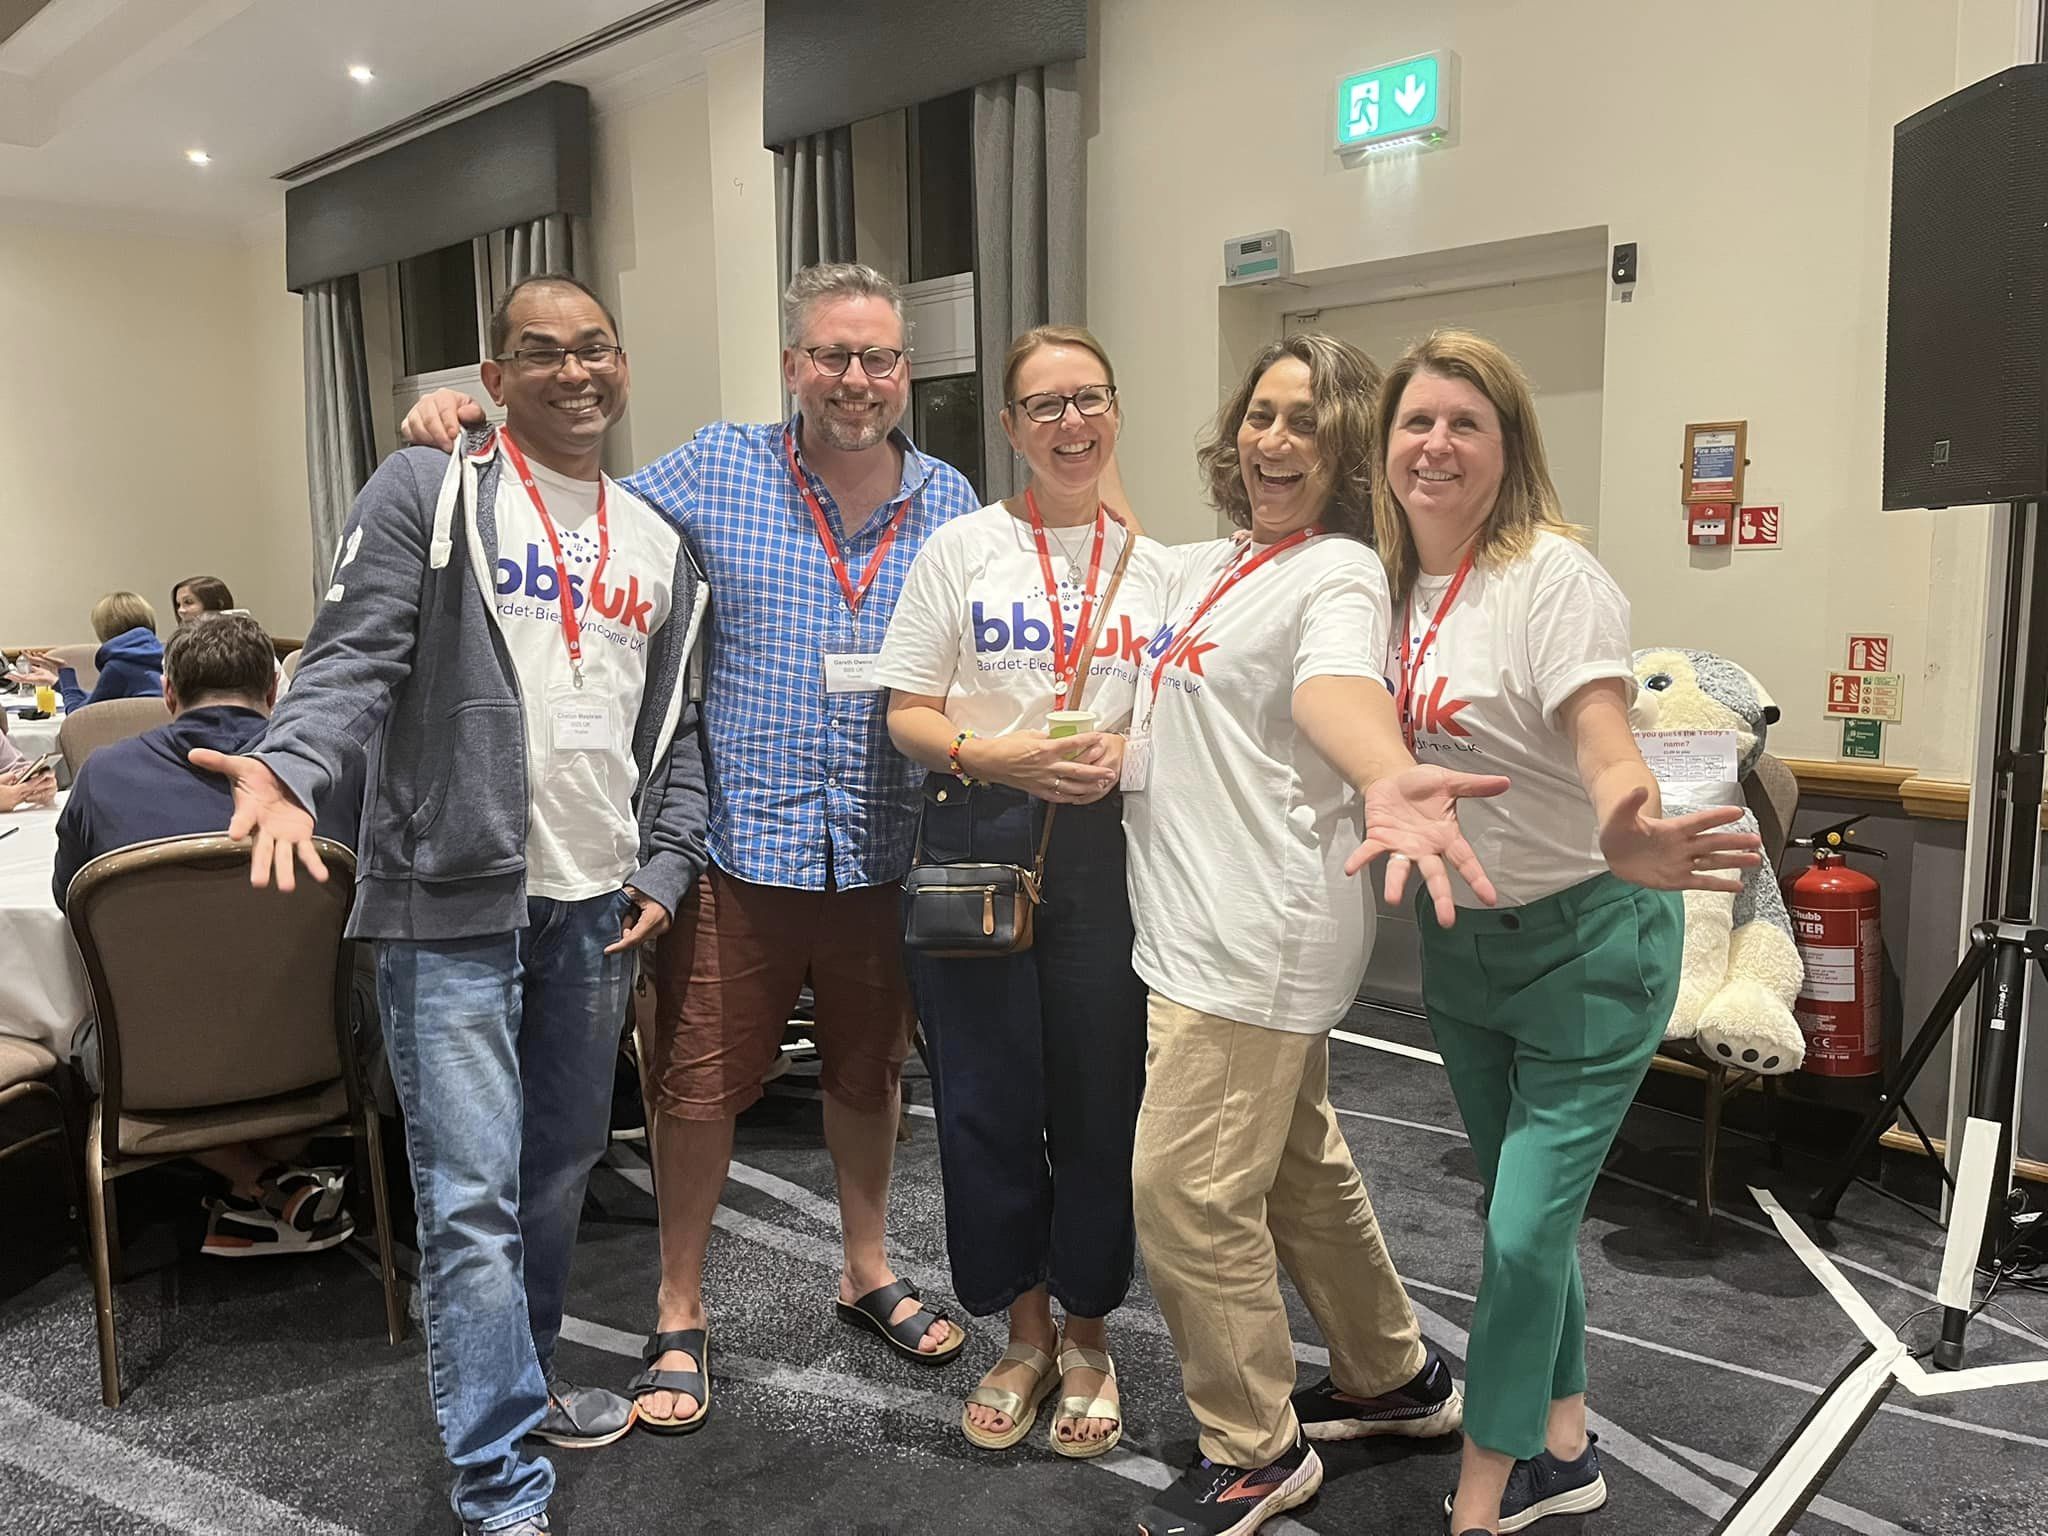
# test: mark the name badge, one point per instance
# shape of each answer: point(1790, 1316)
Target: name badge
point(582, 728)
point(1137, 763)
point(851, 671)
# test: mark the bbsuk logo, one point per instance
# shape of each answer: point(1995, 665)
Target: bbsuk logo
point(624, 606)
point(1020, 631)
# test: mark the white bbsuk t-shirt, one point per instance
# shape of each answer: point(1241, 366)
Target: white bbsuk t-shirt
point(582, 839)
point(1238, 842)
point(974, 622)
point(1515, 645)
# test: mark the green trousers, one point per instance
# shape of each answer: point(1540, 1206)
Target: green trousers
point(1547, 1017)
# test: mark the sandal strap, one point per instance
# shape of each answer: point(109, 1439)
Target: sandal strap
point(1009, 1404)
point(688, 1341)
point(1075, 1357)
point(1025, 1354)
point(1091, 1408)
point(651, 1380)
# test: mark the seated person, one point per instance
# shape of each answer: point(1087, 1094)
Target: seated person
point(130, 659)
point(19, 788)
point(220, 680)
point(196, 595)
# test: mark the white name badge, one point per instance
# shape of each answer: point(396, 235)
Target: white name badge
point(582, 728)
point(851, 671)
point(1137, 763)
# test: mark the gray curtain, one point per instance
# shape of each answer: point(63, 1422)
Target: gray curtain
point(1029, 215)
point(552, 244)
point(814, 201)
point(340, 447)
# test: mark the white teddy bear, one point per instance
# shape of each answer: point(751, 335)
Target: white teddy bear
point(1741, 971)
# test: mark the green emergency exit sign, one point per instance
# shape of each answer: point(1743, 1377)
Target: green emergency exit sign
point(1396, 104)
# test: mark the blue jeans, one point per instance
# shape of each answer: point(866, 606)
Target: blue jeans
point(1038, 1061)
point(502, 1049)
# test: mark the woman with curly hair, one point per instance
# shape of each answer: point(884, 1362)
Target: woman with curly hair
point(1263, 726)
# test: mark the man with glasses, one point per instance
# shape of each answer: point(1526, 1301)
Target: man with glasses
point(508, 631)
point(805, 530)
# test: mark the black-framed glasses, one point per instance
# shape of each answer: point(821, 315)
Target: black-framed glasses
point(1050, 406)
point(875, 362)
point(597, 357)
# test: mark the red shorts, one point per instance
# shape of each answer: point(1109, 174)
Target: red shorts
point(727, 978)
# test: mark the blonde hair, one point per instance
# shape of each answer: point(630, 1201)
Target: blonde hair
point(1342, 381)
point(1526, 504)
point(119, 612)
point(1041, 336)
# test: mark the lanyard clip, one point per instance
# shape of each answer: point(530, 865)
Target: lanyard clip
point(576, 669)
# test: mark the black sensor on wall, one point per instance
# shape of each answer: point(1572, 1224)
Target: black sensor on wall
point(1625, 263)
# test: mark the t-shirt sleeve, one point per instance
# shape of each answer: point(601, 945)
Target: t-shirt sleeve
point(1578, 634)
point(921, 651)
point(1343, 626)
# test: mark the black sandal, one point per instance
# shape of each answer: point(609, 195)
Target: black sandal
point(692, 1342)
point(872, 1313)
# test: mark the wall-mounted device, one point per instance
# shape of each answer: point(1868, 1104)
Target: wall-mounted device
point(1625, 263)
point(1258, 258)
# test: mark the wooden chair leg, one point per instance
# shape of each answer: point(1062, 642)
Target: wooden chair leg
point(99, 1212)
point(1710, 1145)
point(380, 1201)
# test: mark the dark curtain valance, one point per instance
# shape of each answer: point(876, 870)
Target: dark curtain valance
point(833, 62)
point(520, 161)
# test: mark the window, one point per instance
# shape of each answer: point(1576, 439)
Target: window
point(941, 186)
point(946, 421)
point(437, 311)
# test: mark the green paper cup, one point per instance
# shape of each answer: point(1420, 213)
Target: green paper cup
point(1069, 722)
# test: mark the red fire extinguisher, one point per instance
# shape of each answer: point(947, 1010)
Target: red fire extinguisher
point(1835, 922)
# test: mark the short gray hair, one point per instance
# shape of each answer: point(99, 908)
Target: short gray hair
point(835, 280)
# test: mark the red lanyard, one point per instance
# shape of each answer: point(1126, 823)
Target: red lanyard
point(1233, 573)
point(572, 627)
point(1410, 667)
point(1066, 657)
point(853, 593)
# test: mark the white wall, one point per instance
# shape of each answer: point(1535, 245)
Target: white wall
point(151, 425)
point(1750, 159)
point(655, 262)
point(1553, 326)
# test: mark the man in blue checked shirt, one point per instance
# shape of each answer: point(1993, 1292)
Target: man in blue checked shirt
point(805, 530)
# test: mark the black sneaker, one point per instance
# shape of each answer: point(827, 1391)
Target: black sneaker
point(1543, 1485)
point(1215, 1499)
point(1429, 1405)
point(629, 1112)
point(584, 1418)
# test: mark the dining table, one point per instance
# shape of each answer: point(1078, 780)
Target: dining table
point(44, 995)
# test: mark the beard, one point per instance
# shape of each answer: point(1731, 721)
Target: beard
point(845, 436)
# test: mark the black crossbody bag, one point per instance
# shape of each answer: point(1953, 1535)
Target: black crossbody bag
point(976, 911)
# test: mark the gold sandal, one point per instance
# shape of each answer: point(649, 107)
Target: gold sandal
point(1074, 1409)
point(1019, 1407)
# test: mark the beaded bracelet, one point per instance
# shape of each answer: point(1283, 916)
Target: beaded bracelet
point(953, 756)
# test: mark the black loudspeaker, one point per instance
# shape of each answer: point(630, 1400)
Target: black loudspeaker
point(1966, 333)
point(1625, 263)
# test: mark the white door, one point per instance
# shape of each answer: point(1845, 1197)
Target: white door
point(1555, 328)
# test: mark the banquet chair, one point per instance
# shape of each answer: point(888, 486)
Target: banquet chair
point(207, 1044)
point(290, 664)
point(85, 732)
point(82, 658)
point(26, 1070)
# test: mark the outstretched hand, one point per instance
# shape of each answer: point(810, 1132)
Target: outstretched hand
point(437, 419)
point(1412, 818)
point(266, 810)
point(1677, 853)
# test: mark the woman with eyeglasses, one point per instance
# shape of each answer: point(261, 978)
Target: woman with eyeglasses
point(1007, 616)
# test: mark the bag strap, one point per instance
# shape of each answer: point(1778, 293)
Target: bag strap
point(1081, 665)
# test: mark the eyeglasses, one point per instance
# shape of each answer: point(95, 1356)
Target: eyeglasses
point(1050, 407)
point(598, 357)
point(875, 362)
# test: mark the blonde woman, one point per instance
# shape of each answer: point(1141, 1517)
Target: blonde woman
point(1511, 654)
point(130, 659)
point(1037, 1058)
point(1263, 725)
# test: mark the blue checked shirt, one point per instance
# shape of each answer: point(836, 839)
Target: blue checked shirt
point(806, 786)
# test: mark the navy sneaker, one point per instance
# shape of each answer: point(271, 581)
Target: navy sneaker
point(1543, 1485)
point(1213, 1498)
point(1429, 1405)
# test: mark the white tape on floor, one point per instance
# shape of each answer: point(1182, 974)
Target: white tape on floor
point(141, 1483)
point(1831, 1510)
point(1391, 1047)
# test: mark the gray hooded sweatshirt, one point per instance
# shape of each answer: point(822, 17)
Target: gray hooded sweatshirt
point(406, 667)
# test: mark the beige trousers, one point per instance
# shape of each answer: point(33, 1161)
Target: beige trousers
point(1239, 1160)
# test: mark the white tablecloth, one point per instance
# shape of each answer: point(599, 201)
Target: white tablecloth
point(43, 994)
point(32, 738)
